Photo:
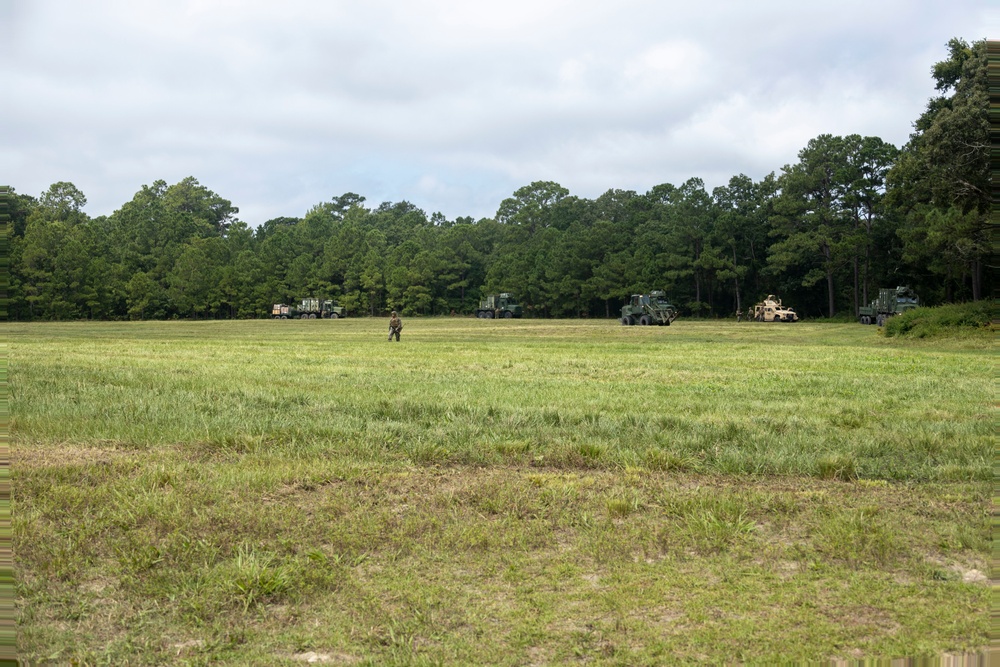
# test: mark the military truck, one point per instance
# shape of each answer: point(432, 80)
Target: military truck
point(889, 302)
point(498, 305)
point(308, 309)
point(647, 309)
point(771, 310)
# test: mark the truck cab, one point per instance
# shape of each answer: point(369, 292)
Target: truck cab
point(498, 305)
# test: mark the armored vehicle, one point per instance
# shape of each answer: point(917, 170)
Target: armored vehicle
point(771, 310)
point(308, 309)
point(498, 305)
point(646, 309)
point(888, 303)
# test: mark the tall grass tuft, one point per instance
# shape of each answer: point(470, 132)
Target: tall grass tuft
point(252, 577)
point(837, 466)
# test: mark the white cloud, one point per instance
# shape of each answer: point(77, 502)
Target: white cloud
point(673, 66)
point(452, 105)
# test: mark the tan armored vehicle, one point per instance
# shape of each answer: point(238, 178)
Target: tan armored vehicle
point(771, 310)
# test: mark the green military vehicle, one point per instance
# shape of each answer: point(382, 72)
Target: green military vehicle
point(888, 303)
point(308, 309)
point(648, 309)
point(498, 305)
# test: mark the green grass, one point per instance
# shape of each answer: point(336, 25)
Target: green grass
point(497, 492)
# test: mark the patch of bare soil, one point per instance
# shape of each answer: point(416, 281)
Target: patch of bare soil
point(54, 456)
point(335, 658)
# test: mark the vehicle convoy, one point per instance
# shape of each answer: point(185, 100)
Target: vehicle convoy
point(308, 309)
point(647, 309)
point(771, 310)
point(889, 302)
point(498, 305)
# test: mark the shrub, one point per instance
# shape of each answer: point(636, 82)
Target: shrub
point(942, 321)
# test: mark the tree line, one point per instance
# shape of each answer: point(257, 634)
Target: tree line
point(853, 214)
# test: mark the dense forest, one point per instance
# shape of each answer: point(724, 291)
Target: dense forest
point(851, 215)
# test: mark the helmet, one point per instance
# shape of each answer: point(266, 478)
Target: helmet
point(394, 313)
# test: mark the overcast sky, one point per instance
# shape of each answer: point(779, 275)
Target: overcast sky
point(451, 105)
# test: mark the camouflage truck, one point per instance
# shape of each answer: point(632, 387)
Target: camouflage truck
point(647, 309)
point(308, 309)
point(771, 310)
point(498, 305)
point(889, 302)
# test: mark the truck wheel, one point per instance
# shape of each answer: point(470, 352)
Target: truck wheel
point(508, 314)
point(489, 314)
point(624, 321)
point(644, 320)
point(334, 316)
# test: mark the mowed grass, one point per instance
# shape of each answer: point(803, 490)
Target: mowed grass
point(497, 492)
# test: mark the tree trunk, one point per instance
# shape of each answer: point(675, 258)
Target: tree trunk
point(829, 290)
point(736, 281)
point(976, 278)
point(867, 277)
point(868, 259)
point(828, 254)
point(856, 311)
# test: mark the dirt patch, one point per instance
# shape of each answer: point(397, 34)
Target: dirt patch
point(191, 644)
point(335, 658)
point(975, 577)
point(65, 455)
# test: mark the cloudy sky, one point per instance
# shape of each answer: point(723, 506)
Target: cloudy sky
point(450, 104)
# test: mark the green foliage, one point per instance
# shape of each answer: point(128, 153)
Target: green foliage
point(959, 319)
point(941, 182)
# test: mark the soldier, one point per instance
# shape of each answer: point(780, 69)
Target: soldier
point(395, 326)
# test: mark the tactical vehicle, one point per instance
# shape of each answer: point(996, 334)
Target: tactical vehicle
point(888, 303)
point(308, 309)
point(771, 310)
point(646, 309)
point(498, 305)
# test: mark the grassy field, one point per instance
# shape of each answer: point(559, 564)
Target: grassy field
point(526, 492)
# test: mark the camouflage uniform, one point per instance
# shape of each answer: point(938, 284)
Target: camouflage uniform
point(395, 326)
